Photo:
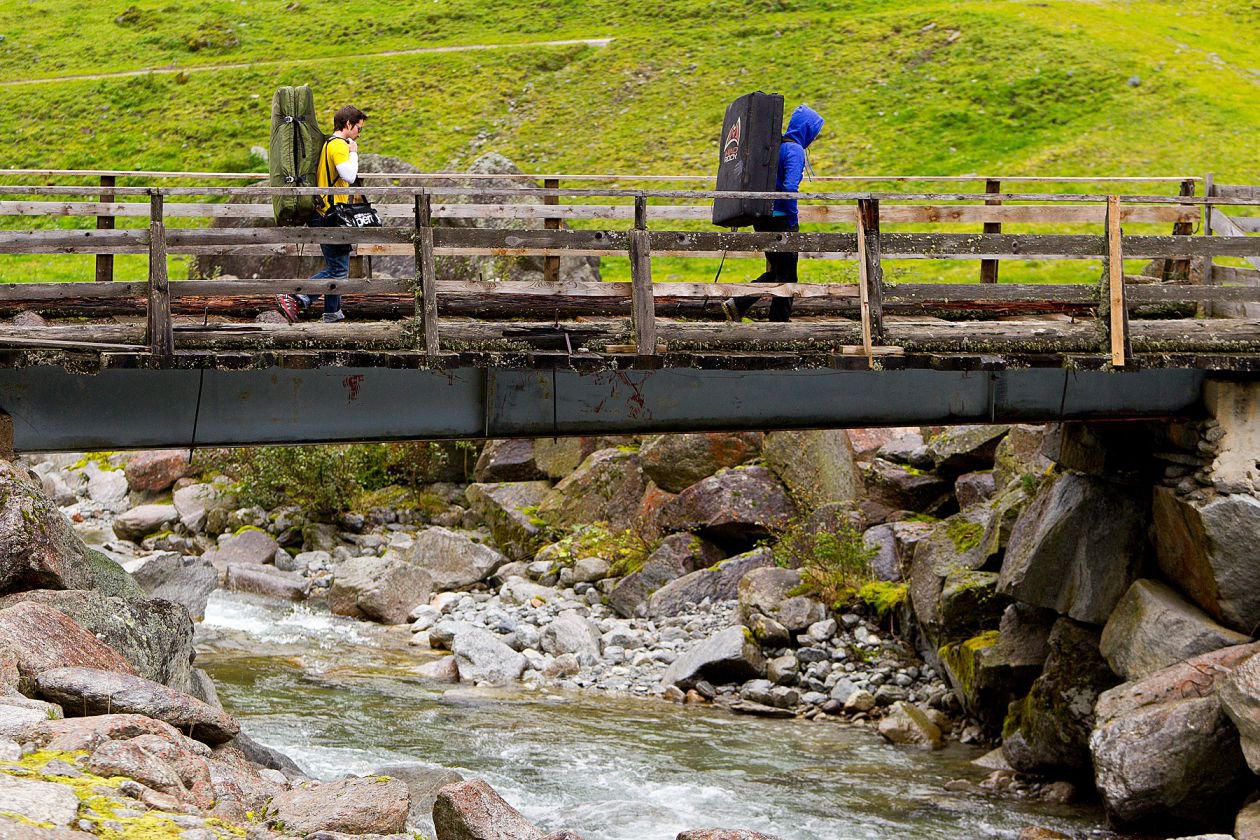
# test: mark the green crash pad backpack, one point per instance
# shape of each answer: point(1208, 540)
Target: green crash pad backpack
point(293, 158)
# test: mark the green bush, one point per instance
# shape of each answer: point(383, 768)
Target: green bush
point(833, 563)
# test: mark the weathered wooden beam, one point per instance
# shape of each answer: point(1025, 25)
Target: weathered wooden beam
point(426, 277)
point(159, 335)
point(989, 268)
point(1118, 311)
point(105, 262)
point(551, 265)
point(1228, 226)
point(643, 307)
point(1178, 271)
point(870, 275)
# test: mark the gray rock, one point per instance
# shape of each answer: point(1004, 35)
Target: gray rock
point(590, 569)
point(518, 590)
point(960, 449)
point(138, 522)
point(1153, 627)
point(607, 487)
point(503, 508)
point(677, 461)
point(185, 579)
point(107, 487)
point(38, 547)
point(782, 670)
point(729, 655)
point(480, 657)
point(249, 546)
point(507, 460)
point(1247, 824)
point(423, 781)
point(444, 670)
point(1077, 547)
point(1019, 454)
point(766, 591)
point(93, 692)
point(677, 555)
point(452, 559)
point(37, 801)
point(267, 581)
point(570, 633)
point(894, 544)
point(815, 465)
point(473, 811)
point(719, 583)
point(1204, 548)
point(557, 457)
point(907, 724)
point(110, 578)
point(1239, 693)
point(41, 638)
point(383, 589)
point(193, 504)
point(739, 505)
point(898, 487)
point(370, 805)
point(975, 488)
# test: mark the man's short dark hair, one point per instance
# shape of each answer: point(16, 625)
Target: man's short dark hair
point(347, 115)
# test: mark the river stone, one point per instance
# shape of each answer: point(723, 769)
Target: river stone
point(452, 559)
point(38, 801)
point(251, 545)
point(677, 461)
point(719, 583)
point(607, 488)
point(110, 578)
point(43, 638)
point(472, 810)
point(138, 522)
point(905, 723)
point(156, 470)
point(186, 579)
point(38, 546)
point(724, 834)
point(557, 457)
point(974, 488)
point(239, 786)
point(371, 805)
point(158, 764)
point(107, 487)
point(262, 755)
point(267, 581)
point(899, 487)
point(1153, 627)
point(507, 460)
point(740, 506)
point(88, 733)
point(383, 589)
point(959, 449)
point(767, 591)
point(518, 590)
point(88, 691)
point(1077, 547)
point(193, 503)
point(894, 544)
point(423, 781)
point(729, 655)
point(1239, 693)
point(1049, 729)
point(154, 636)
point(481, 657)
point(1019, 454)
point(503, 507)
point(677, 555)
point(442, 670)
point(1205, 550)
point(570, 633)
point(951, 598)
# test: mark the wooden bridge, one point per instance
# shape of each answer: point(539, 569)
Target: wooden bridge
point(162, 363)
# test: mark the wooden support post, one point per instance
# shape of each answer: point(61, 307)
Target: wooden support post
point(989, 268)
point(7, 451)
point(1178, 271)
point(161, 335)
point(871, 274)
point(426, 276)
point(551, 265)
point(1209, 190)
point(643, 309)
point(1118, 310)
point(105, 262)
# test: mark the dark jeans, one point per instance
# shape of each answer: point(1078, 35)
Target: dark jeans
point(336, 267)
point(780, 268)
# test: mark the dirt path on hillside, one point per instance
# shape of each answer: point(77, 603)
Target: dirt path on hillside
point(201, 68)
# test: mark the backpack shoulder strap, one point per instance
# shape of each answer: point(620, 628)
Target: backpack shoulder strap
point(327, 200)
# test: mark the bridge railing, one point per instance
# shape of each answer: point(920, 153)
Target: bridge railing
point(866, 302)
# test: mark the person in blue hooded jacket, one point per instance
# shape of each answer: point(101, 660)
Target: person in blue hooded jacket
point(803, 128)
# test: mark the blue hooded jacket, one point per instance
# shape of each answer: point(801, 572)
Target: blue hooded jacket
point(803, 127)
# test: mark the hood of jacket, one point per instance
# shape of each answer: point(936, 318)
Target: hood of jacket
point(804, 125)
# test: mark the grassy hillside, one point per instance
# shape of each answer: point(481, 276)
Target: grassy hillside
point(991, 87)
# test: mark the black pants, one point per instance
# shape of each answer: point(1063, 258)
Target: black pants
point(780, 268)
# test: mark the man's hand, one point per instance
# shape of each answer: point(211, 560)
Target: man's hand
point(354, 146)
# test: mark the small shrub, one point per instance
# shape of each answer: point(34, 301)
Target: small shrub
point(320, 479)
point(833, 563)
point(624, 551)
point(216, 36)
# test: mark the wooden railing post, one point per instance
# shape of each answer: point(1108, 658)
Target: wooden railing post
point(1209, 190)
point(426, 275)
point(551, 265)
point(1117, 307)
point(871, 274)
point(161, 335)
point(989, 268)
point(643, 309)
point(105, 262)
point(1178, 271)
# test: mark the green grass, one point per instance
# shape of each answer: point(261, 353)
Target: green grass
point(929, 88)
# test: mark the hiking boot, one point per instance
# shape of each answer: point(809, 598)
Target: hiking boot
point(333, 317)
point(288, 307)
point(730, 310)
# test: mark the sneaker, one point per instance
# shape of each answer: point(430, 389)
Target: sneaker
point(333, 317)
point(288, 307)
point(730, 310)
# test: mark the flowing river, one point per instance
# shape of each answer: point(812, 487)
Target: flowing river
point(339, 696)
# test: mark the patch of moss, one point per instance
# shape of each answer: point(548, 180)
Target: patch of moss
point(245, 528)
point(964, 535)
point(883, 596)
point(960, 659)
point(101, 459)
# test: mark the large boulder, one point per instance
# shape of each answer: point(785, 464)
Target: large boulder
point(38, 546)
point(1153, 627)
point(737, 506)
point(952, 597)
point(155, 636)
point(1205, 549)
point(1239, 693)
point(607, 487)
point(1077, 547)
point(107, 486)
point(1166, 756)
point(452, 559)
point(138, 522)
point(472, 810)
point(42, 638)
point(89, 691)
point(771, 591)
point(557, 457)
point(383, 589)
point(37, 802)
point(816, 466)
point(88, 733)
point(902, 487)
point(907, 724)
point(677, 555)
point(893, 544)
point(959, 449)
point(730, 655)
point(186, 579)
point(1048, 731)
point(569, 632)
point(170, 769)
point(481, 657)
point(268, 581)
point(250, 545)
point(110, 578)
point(156, 470)
point(718, 583)
point(675, 462)
point(371, 805)
point(507, 460)
point(194, 503)
point(423, 781)
point(510, 512)
point(1019, 454)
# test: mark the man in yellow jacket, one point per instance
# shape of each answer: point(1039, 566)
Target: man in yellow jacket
point(338, 167)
